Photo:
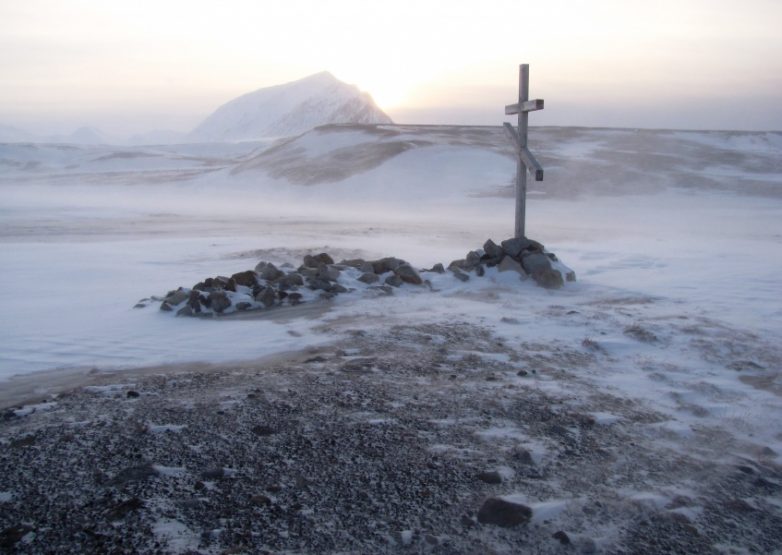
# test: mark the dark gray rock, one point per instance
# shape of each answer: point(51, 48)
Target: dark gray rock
point(132, 394)
point(319, 284)
point(290, 281)
point(337, 288)
point(176, 297)
point(263, 430)
point(307, 272)
point(472, 260)
point(394, 280)
point(315, 260)
point(118, 511)
point(504, 513)
point(194, 301)
point(459, 264)
point(538, 266)
point(492, 252)
point(260, 500)
point(490, 477)
point(268, 271)
point(247, 278)
point(134, 474)
point(388, 264)
point(328, 272)
point(243, 306)
point(165, 307)
point(294, 298)
point(508, 264)
point(437, 268)
point(12, 535)
point(369, 277)
point(407, 273)
point(517, 246)
point(458, 274)
point(480, 271)
point(562, 537)
point(219, 301)
point(186, 310)
point(358, 264)
point(267, 296)
point(213, 474)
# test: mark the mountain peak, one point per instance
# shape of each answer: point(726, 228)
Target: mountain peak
point(289, 109)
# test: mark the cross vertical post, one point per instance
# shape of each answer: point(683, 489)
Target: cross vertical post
point(525, 161)
point(521, 169)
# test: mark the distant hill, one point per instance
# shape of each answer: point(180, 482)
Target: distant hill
point(9, 134)
point(289, 109)
point(82, 136)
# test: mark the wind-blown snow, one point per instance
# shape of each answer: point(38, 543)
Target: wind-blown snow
point(693, 259)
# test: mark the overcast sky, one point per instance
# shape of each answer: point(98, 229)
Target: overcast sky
point(131, 66)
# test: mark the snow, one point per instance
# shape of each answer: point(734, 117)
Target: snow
point(177, 537)
point(697, 267)
point(289, 109)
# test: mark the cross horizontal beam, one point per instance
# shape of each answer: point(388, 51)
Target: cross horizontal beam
point(532, 165)
point(526, 106)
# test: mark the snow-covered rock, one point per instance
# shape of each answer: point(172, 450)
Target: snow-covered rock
point(289, 109)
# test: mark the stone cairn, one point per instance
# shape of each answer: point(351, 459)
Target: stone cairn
point(320, 277)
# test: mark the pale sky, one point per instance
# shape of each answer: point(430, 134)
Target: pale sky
point(131, 66)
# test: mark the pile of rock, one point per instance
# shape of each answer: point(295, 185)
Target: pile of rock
point(268, 286)
point(319, 276)
point(522, 255)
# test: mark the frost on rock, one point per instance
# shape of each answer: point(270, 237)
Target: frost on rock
point(319, 277)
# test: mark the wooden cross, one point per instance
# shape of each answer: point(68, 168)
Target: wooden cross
point(526, 161)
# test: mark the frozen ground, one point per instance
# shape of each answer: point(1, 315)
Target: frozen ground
point(651, 398)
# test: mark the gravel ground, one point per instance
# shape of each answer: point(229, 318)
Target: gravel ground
point(382, 443)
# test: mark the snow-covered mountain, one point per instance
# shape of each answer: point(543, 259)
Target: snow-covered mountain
point(289, 109)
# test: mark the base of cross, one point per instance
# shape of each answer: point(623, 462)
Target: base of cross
point(518, 254)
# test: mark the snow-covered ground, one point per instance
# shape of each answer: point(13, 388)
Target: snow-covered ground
point(676, 239)
point(87, 231)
